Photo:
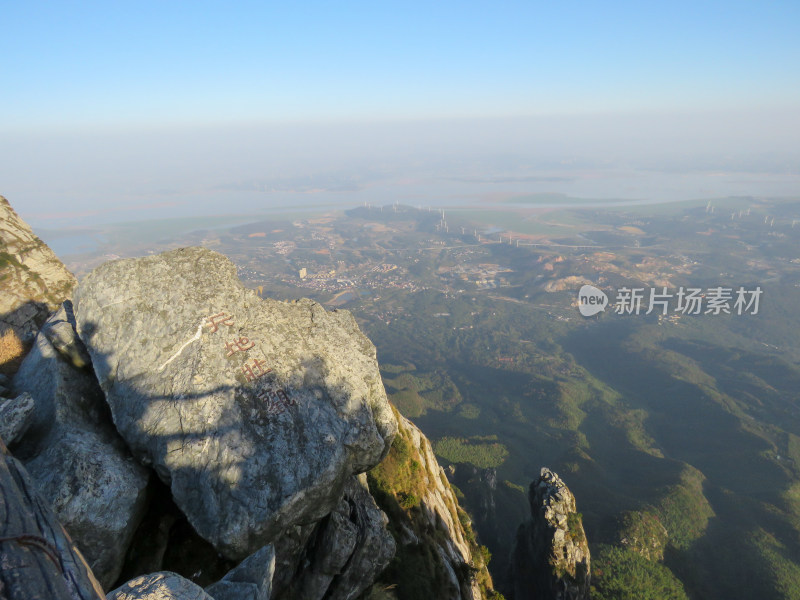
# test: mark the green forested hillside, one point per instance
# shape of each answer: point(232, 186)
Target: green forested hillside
point(679, 439)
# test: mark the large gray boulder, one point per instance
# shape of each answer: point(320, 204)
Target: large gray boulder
point(163, 585)
point(79, 462)
point(98, 494)
point(255, 412)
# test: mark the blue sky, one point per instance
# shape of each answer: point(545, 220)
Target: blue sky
point(114, 64)
point(201, 106)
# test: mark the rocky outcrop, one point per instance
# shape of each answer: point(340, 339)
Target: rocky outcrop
point(551, 559)
point(255, 412)
point(35, 282)
point(159, 586)
point(258, 434)
point(437, 552)
point(79, 462)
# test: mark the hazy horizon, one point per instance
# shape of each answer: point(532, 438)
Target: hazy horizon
point(70, 178)
point(111, 111)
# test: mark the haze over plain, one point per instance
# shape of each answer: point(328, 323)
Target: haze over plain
point(147, 111)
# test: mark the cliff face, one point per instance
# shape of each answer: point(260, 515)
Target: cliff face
point(437, 554)
point(551, 559)
point(34, 283)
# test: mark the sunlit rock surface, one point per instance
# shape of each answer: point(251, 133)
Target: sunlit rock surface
point(159, 586)
point(34, 283)
point(255, 412)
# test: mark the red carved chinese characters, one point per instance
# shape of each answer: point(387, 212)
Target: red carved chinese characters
point(271, 401)
point(255, 370)
point(214, 321)
point(243, 344)
point(275, 401)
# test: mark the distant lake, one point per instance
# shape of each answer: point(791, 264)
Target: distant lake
point(556, 188)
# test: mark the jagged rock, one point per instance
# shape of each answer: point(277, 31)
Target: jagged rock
point(37, 558)
point(77, 459)
point(551, 557)
point(256, 412)
point(349, 550)
point(16, 415)
point(250, 580)
point(159, 586)
point(374, 546)
point(35, 282)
